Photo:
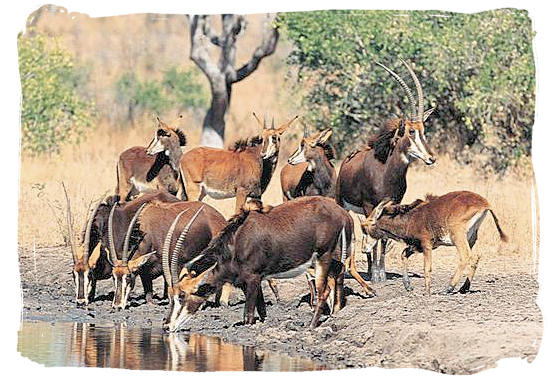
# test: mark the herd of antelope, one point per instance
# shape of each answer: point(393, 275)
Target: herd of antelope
point(155, 224)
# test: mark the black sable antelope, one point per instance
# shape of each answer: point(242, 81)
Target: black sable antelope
point(379, 171)
point(260, 243)
point(89, 261)
point(154, 219)
point(141, 170)
point(95, 241)
point(242, 172)
point(450, 219)
point(309, 171)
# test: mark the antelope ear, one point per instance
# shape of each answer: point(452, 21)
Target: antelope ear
point(427, 113)
point(138, 262)
point(324, 136)
point(92, 260)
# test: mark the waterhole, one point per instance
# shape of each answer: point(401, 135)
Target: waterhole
point(117, 346)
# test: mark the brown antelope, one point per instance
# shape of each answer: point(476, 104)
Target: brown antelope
point(379, 171)
point(260, 243)
point(89, 262)
point(242, 172)
point(95, 240)
point(450, 219)
point(142, 170)
point(309, 171)
point(154, 221)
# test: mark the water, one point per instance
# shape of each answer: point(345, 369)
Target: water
point(116, 346)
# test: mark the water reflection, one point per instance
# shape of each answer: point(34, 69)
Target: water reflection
point(116, 346)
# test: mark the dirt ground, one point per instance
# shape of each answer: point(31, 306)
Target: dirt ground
point(455, 334)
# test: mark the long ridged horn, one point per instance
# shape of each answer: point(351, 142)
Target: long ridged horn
point(166, 250)
point(179, 245)
point(70, 225)
point(258, 120)
point(419, 91)
point(88, 232)
point(404, 86)
point(112, 251)
point(128, 234)
point(306, 130)
point(272, 123)
point(265, 125)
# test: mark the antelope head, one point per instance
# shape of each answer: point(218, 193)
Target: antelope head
point(271, 136)
point(169, 140)
point(409, 139)
point(183, 304)
point(369, 225)
point(83, 261)
point(124, 270)
point(310, 147)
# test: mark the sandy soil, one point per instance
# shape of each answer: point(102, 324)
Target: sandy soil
point(456, 334)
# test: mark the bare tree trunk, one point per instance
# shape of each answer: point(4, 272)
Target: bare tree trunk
point(223, 74)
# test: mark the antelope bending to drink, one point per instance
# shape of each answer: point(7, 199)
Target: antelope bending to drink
point(260, 243)
point(380, 171)
point(450, 219)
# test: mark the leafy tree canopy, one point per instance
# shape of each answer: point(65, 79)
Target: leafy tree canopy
point(477, 69)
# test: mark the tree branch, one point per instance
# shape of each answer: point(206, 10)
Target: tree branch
point(199, 53)
point(209, 34)
point(266, 48)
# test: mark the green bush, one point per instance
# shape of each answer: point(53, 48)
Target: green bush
point(477, 69)
point(177, 90)
point(53, 111)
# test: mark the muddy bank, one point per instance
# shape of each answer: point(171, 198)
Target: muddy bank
point(452, 334)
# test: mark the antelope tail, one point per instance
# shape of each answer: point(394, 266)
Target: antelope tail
point(503, 236)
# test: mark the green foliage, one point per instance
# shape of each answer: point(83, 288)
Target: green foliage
point(177, 89)
point(53, 111)
point(477, 69)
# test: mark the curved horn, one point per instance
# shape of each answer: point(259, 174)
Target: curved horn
point(272, 123)
point(128, 234)
point(70, 225)
point(88, 232)
point(306, 130)
point(166, 250)
point(179, 245)
point(419, 90)
point(287, 124)
point(112, 251)
point(265, 125)
point(404, 86)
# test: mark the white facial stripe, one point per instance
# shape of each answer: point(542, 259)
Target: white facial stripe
point(419, 143)
point(298, 157)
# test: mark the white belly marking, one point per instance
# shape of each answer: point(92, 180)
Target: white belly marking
point(295, 272)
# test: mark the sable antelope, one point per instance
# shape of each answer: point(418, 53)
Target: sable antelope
point(154, 222)
point(89, 263)
point(260, 243)
point(141, 169)
point(95, 236)
point(309, 171)
point(242, 172)
point(450, 219)
point(379, 171)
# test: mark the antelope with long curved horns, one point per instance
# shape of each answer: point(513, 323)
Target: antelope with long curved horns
point(379, 170)
point(243, 172)
point(124, 269)
point(89, 263)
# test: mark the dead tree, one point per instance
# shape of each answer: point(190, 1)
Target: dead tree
point(223, 74)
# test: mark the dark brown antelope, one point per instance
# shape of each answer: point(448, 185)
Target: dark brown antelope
point(95, 236)
point(142, 170)
point(452, 219)
point(89, 263)
point(154, 222)
point(260, 243)
point(241, 173)
point(379, 170)
point(309, 171)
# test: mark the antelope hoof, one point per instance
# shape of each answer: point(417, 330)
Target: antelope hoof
point(407, 285)
point(448, 290)
point(465, 287)
point(371, 293)
point(149, 298)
